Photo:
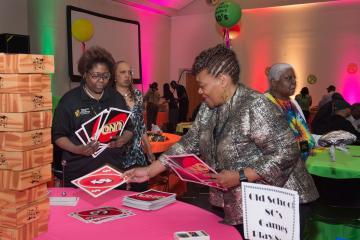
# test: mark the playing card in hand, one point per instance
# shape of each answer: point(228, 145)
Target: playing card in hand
point(191, 168)
point(92, 126)
point(100, 181)
point(113, 125)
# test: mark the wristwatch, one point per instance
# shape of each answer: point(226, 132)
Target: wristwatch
point(242, 177)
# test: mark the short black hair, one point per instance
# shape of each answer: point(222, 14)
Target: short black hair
point(95, 55)
point(218, 60)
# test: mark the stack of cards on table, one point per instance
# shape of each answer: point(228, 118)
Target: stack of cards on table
point(101, 214)
point(100, 181)
point(149, 200)
point(103, 128)
point(191, 235)
point(190, 168)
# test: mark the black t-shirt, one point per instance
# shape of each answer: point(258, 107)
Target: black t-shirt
point(74, 109)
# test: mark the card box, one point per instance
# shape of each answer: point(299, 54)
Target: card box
point(27, 121)
point(24, 83)
point(24, 141)
point(11, 198)
point(26, 63)
point(25, 102)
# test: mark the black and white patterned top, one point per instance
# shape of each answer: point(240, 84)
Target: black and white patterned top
point(135, 155)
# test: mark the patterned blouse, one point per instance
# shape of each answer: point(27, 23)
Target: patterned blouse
point(247, 131)
point(135, 155)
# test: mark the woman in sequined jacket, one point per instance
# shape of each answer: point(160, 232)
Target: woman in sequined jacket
point(240, 133)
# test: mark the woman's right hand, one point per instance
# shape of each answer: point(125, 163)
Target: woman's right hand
point(138, 174)
point(87, 149)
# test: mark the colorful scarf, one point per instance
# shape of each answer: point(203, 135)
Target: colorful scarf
point(296, 122)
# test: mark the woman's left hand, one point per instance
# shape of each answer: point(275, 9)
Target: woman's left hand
point(226, 178)
point(117, 142)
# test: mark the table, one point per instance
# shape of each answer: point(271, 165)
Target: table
point(159, 147)
point(338, 184)
point(346, 165)
point(153, 225)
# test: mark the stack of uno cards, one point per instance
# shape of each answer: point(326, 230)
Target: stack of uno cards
point(190, 168)
point(149, 200)
point(191, 235)
point(101, 214)
point(100, 181)
point(103, 128)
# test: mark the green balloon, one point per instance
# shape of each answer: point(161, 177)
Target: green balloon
point(227, 14)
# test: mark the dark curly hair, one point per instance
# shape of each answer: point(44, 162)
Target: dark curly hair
point(95, 55)
point(218, 60)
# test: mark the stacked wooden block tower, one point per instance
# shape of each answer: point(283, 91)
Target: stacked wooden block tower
point(25, 144)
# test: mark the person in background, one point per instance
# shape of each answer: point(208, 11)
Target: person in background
point(79, 105)
point(323, 115)
point(183, 100)
point(173, 108)
point(282, 81)
point(152, 99)
point(139, 152)
point(237, 131)
point(327, 97)
point(304, 100)
point(338, 121)
point(354, 118)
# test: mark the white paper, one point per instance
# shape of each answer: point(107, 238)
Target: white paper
point(64, 201)
point(270, 212)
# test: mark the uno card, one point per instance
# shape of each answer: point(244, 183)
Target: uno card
point(190, 165)
point(80, 133)
point(101, 214)
point(92, 126)
point(113, 125)
point(150, 195)
point(100, 181)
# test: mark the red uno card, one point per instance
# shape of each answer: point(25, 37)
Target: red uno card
point(191, 168)
point(101, 214)
point(92, 126)
point(100, 181)
point(151, 195)
point(113, 125)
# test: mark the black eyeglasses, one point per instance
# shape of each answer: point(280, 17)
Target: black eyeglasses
point(98, 76)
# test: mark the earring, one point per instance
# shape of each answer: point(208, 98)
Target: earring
point(224, 96)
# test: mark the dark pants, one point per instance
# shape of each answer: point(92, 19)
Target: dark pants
point(173, 118)
point(151, 115)
point(183, 109)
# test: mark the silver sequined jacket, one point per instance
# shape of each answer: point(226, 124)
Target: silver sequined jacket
point(247, 131)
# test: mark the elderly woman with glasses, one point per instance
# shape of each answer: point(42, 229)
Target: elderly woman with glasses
point(282, 81)
point(78, 106)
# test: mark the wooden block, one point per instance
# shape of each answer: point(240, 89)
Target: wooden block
point(21, 122)
point(21, 180)
point(23, 160)
point(24, 83)
point(24, 141)
point(25, 102)
point(18, 199)
point(26, 232)
point(16, 217)
point(26, 63)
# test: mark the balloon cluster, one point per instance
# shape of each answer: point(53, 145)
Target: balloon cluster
point(227, 15)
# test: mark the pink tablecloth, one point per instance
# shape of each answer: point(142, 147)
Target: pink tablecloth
point(152, 225)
